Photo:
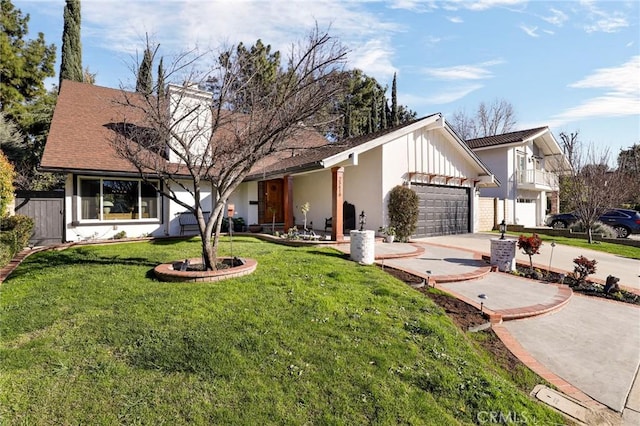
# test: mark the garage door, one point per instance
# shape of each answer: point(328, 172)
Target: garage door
point(444, 210)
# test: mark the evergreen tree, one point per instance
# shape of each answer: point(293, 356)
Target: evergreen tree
point(25, 64)
point(144, 83)
point(71, 64)
point(161, 83)
point(395, 117)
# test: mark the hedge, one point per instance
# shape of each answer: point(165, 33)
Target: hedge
point(15, 232)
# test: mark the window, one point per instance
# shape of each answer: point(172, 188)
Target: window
point(117, 199)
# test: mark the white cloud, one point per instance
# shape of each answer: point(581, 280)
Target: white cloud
point(621, 95)
point(531, 31)
point(374, 58)
point(182, 25)
point(447, 95)
point(488, 4)
point(419, 6)
point(463, 72)
point(556, 17)
point(455, 19)
point(608, 21)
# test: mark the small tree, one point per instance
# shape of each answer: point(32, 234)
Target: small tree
point(489, 120)
point(255, 111)
point(583, 268)
point(6, 184)
point(591, 187)
point(403, 211)
point(305, 209)
point(530, 246)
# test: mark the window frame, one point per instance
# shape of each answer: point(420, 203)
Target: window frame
point(101, 220)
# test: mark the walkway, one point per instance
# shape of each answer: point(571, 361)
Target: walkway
point(588, 348)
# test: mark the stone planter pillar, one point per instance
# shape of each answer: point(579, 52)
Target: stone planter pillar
point(363, 244)
point(503, 254)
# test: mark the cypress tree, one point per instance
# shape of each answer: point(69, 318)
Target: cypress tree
point(395, 118)
point(160, 88)
point(144, 83)
point(71, 63)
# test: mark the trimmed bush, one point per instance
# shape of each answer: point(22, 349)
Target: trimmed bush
point(14, 236)
point(7, 175)
point(403, 211)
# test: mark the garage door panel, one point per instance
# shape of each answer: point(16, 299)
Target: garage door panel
point(443, 210)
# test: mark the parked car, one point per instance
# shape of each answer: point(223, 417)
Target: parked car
point(624, 221)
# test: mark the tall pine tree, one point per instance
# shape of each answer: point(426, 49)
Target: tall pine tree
point(71, 64)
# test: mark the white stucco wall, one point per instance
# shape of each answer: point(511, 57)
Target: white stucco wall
point(314, 188)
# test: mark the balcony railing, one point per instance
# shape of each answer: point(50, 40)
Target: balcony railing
point(537, 179)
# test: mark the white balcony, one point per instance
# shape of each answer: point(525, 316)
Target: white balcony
point(537, 180)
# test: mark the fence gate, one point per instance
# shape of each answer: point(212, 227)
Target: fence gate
point(46, 208)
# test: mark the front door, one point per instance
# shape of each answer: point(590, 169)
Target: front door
point(271, 203)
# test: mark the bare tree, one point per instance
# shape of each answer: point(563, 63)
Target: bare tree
point(190, 142)
point(489, 120)
point(591, 187)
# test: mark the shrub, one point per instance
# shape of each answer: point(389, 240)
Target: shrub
point(530, 245)
point(7, 174)
point(403, 211)
point(15, 234)
point(598, 228)
point(583, 267)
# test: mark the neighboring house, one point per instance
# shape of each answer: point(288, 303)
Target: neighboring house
point(104, 195)
point(527, 163)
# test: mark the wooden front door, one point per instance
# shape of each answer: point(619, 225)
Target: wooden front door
point(272, 201)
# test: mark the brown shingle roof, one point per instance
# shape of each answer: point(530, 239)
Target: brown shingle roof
point(503, 139)
point(81, 129)
point(86, 119)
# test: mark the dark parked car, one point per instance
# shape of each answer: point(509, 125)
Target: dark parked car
point(624, 221)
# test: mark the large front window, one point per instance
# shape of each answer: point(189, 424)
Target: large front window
point(117, 199)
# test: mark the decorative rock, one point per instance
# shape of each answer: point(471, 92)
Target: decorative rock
point(503, 254)
point(611, 285)
point(362, 248)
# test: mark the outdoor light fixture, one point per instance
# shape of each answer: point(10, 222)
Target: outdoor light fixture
point(503, 228)
point(482, 298)
point(363, 220)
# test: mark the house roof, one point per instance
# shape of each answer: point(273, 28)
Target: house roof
point(505, 138)
point(540, 136)
point(313, 158)
point(80, 133)
point(87, 118)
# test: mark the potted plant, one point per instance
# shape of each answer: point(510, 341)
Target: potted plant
point(389, 232)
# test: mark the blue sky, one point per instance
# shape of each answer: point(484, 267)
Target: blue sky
point(571, 65)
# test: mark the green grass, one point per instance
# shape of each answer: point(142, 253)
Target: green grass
point(611, 248)
point(89, 337)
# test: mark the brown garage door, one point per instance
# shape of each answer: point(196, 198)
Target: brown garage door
point(444, 210)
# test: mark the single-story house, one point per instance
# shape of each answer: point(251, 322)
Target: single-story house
point(528, 164)
point(104, 194)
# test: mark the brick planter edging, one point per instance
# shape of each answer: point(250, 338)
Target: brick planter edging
point(165, 272)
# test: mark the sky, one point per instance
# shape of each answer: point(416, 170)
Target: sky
point(570, 65)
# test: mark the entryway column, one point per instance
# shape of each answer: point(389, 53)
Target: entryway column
point(288, 202)
point(337, 198)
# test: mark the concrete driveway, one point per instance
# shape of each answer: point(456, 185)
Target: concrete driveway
point(591, 343)
point(559, 257)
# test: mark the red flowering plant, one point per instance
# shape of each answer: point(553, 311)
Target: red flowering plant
point(583, 267)
point(530, 246)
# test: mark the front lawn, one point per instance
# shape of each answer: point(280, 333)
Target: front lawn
point(88, 336)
